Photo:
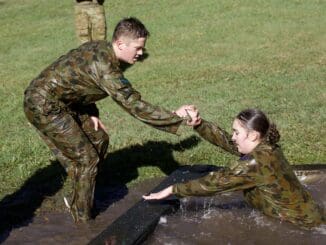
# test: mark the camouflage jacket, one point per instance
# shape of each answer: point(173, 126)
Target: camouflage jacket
point(266, 178)
point(90, 73)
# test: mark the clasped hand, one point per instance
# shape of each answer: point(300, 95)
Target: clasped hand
point(191, 113)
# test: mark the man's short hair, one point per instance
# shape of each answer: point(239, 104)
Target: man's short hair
point(130, 27)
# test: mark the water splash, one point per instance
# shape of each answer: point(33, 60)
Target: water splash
point(320, 230)
point(225, 219)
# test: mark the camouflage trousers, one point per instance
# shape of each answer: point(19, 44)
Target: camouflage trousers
point(90, 21)
point(70, 134)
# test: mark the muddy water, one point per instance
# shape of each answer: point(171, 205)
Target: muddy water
point(226, 219)
point(58, 227)
point(222, 219)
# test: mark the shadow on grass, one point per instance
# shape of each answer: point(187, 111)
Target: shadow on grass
point(18, 209)
point(119, 168)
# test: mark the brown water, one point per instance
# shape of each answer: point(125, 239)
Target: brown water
point(226, 219)
point(222, 219)
point(59, 228)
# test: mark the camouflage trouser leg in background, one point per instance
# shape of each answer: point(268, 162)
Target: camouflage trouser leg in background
point(90, 21)
point(78, 147)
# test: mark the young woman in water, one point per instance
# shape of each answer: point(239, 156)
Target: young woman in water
point(262, 172)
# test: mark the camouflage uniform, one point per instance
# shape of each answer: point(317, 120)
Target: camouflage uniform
point(90, 20)
point(265, 176)
point(60, 101)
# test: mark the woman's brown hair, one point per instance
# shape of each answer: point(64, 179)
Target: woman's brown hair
point(255, 119)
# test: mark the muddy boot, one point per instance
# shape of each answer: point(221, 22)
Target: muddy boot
point(79, 214)
point(81, 202)
point(85, 196)
point(71, 210)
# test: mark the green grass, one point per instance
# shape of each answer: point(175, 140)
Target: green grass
point(222, 56)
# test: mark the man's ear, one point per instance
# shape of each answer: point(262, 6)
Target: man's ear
point(120, 44)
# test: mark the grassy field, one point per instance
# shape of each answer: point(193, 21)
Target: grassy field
point(222, 56)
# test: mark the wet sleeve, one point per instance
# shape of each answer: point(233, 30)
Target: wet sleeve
point(122, 92)
point(258, 171)
point(217, 136)
point(242, 176)
point(111, 80)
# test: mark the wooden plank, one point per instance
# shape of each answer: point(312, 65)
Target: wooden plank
point(134, 226)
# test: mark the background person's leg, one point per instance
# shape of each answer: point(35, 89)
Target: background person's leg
point(82, 23)
point(98, 22)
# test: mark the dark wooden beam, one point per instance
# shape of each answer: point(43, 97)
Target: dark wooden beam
point(137, 223)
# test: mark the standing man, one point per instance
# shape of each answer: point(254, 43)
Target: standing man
point(60, 103)
point(90, 20)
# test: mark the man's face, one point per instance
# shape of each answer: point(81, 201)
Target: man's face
point(131, 49)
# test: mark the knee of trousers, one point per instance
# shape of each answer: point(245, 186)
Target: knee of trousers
point(88, 164)
point(104, 146)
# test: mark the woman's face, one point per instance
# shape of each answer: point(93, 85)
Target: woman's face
point(245, 140)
